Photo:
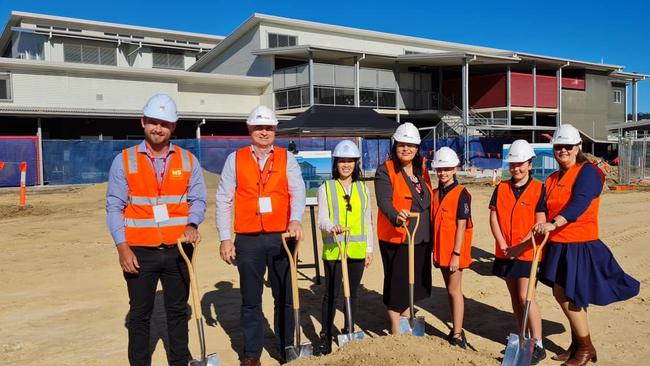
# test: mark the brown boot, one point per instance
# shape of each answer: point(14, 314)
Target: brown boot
point(566, 355)
point(584, 353)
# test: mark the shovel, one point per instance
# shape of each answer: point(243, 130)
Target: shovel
point(519, 350)
point(351, 335)
point(297, 350)
point(412, 324)
point(211, 359)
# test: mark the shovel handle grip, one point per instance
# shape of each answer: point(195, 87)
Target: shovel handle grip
point(343, 255)
point(411, 244)
point(532, 278)
point(293, 268)
point(194, 286)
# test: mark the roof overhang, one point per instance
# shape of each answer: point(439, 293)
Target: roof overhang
point(628, 76)
point(642, 125)
point(10, 64)
point(456, 58)
point(563, 62)
point(318, 52)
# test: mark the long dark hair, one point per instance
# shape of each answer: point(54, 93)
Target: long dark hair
point(581, 157)
point(356, 172)
point(417, 160)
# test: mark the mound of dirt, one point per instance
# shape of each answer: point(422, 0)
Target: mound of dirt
point(12, 211)
point(405, 350)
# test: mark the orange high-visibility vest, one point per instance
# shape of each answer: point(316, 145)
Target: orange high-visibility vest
point(252, 184)
point(517, 216)
point(444, 229)
point(145, 192)
point(402, 199)
point(558, 195)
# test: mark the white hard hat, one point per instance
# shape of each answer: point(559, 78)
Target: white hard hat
point(445, 158)
point(566, 135)
point(162, 107)
point(262, 116)
point(407, 133)
point(346, 149)
point(520, 151)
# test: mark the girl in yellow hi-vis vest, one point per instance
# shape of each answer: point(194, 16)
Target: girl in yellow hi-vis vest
point(343, 202)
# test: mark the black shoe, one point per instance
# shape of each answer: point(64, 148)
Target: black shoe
point(459, 341)
point(539, 354)
point(324, 347)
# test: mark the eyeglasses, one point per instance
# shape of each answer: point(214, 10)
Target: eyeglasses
point(565, 147)
point(348, 206)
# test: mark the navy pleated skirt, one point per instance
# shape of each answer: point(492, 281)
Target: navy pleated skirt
point(588, 273)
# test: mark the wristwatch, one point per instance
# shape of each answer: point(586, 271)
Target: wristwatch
point(554, 223)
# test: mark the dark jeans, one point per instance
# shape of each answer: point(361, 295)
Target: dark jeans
point(333, 287)
point(256, 253)
point(167, 266)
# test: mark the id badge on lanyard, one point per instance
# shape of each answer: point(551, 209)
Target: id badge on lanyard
point(160, 212)
point(264, 203)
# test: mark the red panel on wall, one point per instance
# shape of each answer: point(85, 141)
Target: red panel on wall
point(546, 91)
point(521, 87)
point(487, 91)
point(572, 83)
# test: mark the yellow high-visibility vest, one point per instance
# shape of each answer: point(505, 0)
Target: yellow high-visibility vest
point(353, 218)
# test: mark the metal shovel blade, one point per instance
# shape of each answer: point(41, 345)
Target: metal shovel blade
point(344, 339)
point(416, 327)
point(295, 352)
point(518, 353)
point(210, 360)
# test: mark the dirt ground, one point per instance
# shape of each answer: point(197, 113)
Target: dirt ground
point(63, 298)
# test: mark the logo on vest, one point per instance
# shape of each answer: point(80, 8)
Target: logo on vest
point(177, 173)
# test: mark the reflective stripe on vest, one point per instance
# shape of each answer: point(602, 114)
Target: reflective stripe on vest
point(272, 182)
point(517, 216)
point(402, 200)
point(558, 195)
point(445, 224)
point(145, 192)
point(339, 215)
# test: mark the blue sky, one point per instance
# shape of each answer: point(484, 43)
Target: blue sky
point(614, 32)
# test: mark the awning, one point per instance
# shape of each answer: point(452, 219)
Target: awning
point(456, 58)
point(338, 121)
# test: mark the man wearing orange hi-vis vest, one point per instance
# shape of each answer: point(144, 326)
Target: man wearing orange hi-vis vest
point(156, 195)
point(263, 185)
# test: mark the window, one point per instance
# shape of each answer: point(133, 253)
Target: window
point(5, 87)
point(618, 96)
point(281, 40)
point(168, 59)
point(89, 54)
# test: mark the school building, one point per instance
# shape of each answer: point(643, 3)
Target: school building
point(75, 79)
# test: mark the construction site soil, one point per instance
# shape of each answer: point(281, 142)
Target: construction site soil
point(63, 298)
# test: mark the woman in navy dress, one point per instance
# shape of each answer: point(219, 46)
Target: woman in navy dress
point(579, 266)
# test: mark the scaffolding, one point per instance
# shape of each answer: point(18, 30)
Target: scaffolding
point(633, 156)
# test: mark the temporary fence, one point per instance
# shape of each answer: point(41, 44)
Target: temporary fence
point(633, 157)
point(14, 150)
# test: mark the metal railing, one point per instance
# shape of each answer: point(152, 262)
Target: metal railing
point(633, 154)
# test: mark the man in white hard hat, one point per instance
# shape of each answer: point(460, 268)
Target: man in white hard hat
point(156, 195)
point(263, 184)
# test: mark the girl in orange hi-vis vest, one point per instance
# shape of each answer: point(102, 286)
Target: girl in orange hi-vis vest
point(452, 238)
point(578, 265)
point(516, 205)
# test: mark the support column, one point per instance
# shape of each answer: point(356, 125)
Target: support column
point(311, 79)
point(465, 87)
point(558, 116)
point(635, 112)
point(398, 95)
point(509, 96)
point(39, 135)
point(626, 101)
point(440, 88)
point(534, 97)
point(356, 82)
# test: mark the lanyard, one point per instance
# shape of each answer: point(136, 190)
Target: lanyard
point(264, 179)
point(162, 172)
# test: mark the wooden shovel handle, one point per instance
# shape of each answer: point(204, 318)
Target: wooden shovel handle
point(537, 250)
point(343, 255)
point(293, 268)
point(411, 244)
point(194, 286)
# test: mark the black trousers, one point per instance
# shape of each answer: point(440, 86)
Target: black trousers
point(333, 288)
point(167, 266)
point(256, 253)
